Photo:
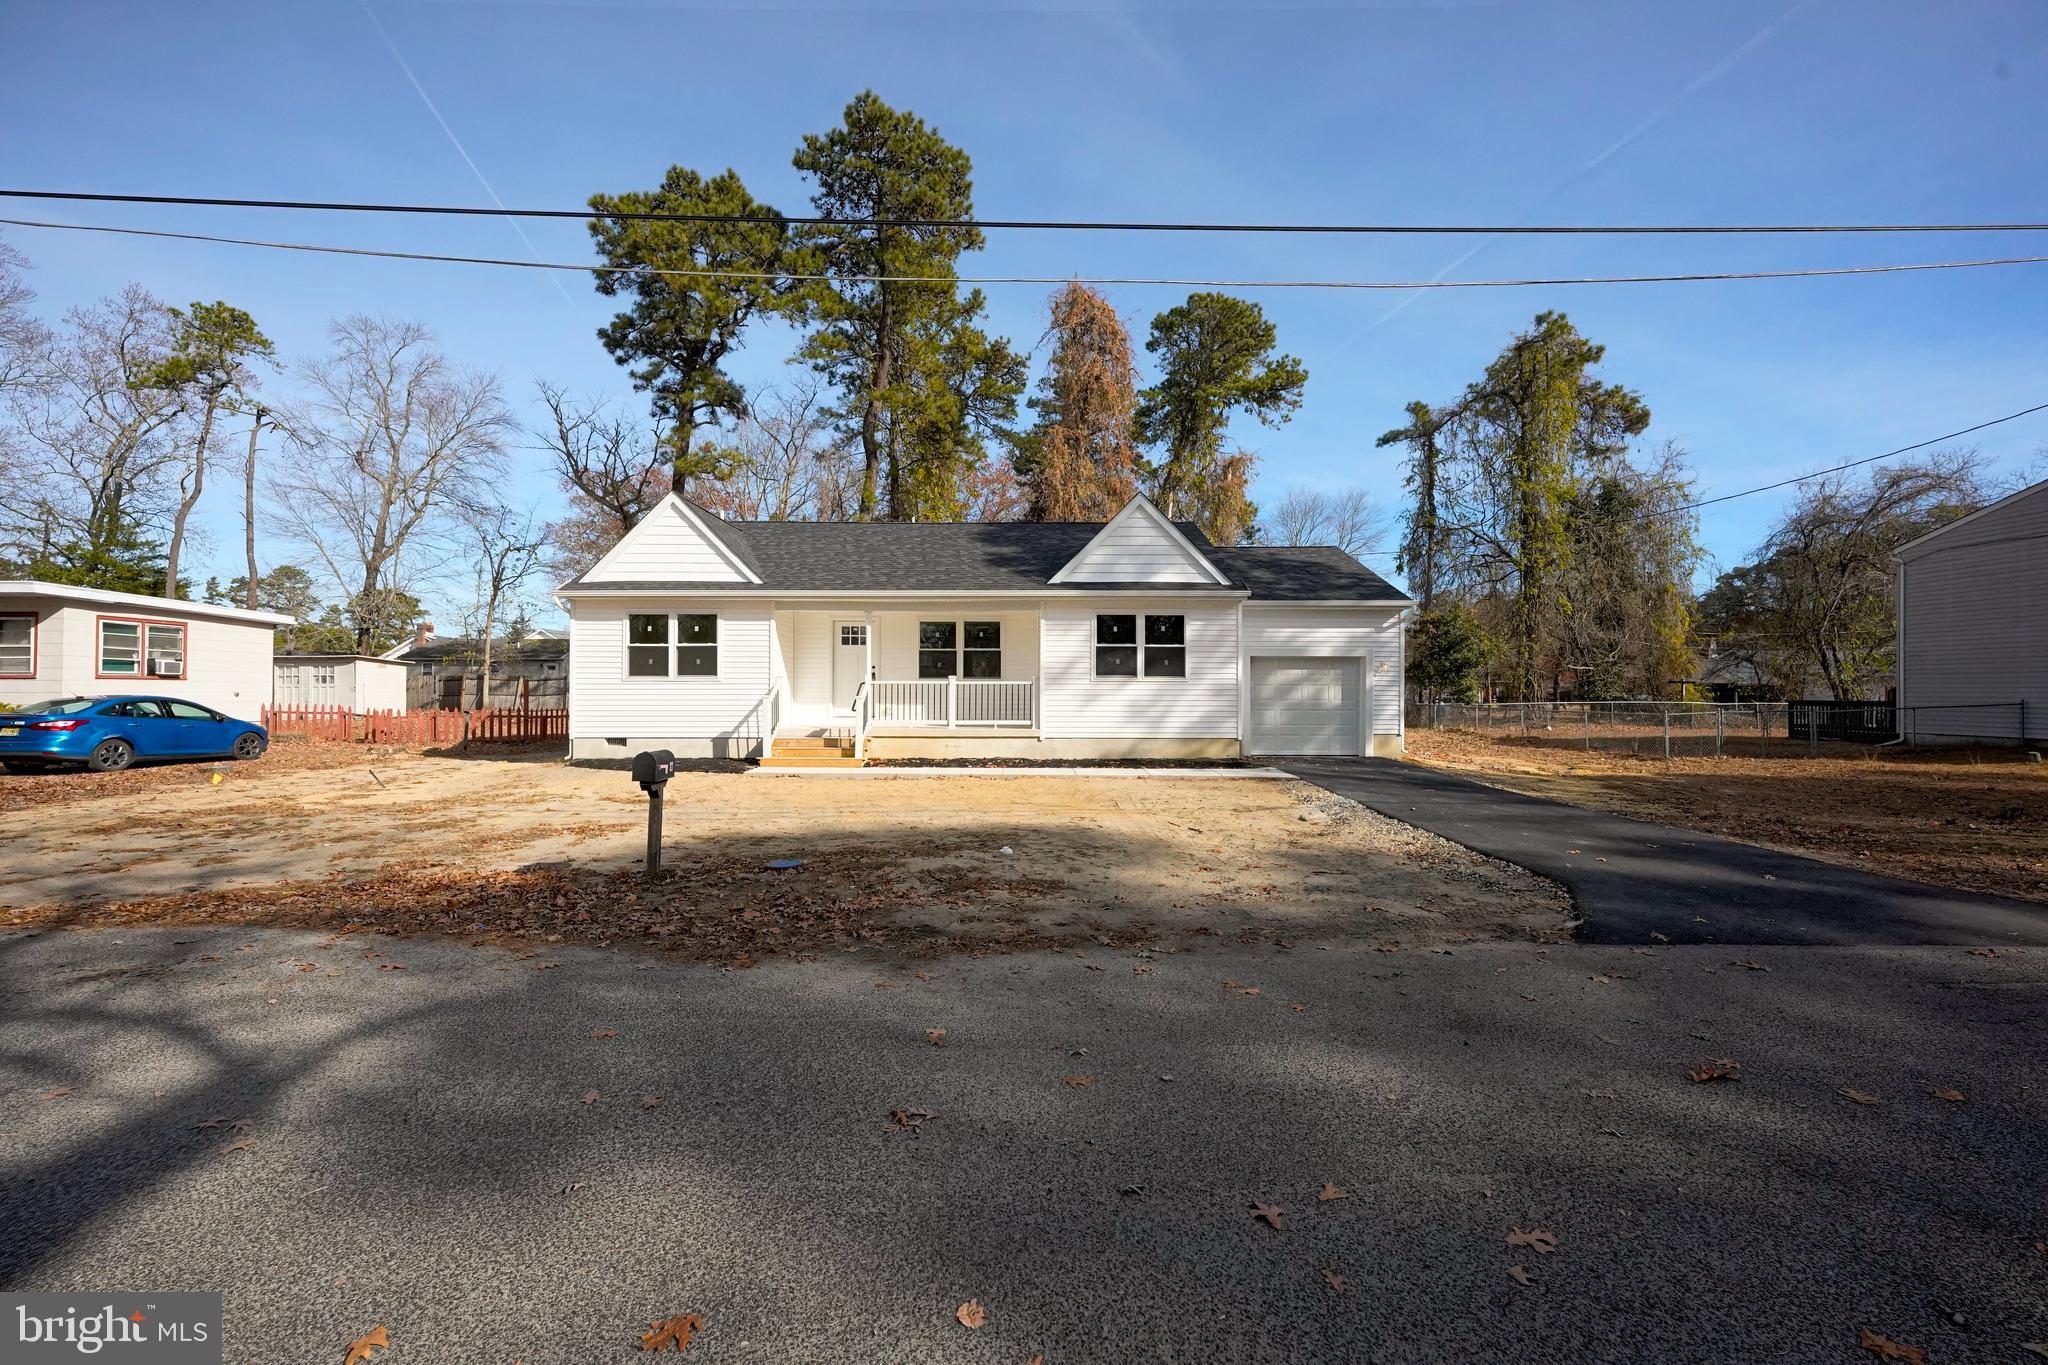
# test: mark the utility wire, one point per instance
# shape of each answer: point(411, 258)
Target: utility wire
point(1868, 459)
point(1175, 281)
point(1037, 224)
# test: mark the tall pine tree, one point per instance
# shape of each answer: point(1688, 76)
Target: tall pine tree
point(1080, 462)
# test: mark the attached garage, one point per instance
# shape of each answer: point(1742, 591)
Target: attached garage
point(1305, 706)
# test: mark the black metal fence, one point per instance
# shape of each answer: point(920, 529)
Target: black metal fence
point(1859, 722)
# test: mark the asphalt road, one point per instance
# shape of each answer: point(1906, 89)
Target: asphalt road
point(422, 1158)
point(1630, 878)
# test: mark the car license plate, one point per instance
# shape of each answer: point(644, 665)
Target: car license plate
point(9, 731)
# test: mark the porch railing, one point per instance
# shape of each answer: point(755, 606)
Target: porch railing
point(951, 703)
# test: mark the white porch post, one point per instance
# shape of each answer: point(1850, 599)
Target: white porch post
point(867, 635)
point(952, 702)
point(866, 690)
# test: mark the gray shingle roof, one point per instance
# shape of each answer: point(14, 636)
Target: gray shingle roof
point(997, 556)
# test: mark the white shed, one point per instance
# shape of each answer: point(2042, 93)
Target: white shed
point(1973, 625)
point(357, 682)
point(57, 641)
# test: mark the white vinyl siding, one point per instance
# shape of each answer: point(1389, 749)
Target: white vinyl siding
point(665, 547)
point(1137, 549)
point(1078, 705)
point(1372, 634)
point(358, 684)
point(605, 701)
point(1974, 624)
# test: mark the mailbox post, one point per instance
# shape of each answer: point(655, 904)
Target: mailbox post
point(652, 770)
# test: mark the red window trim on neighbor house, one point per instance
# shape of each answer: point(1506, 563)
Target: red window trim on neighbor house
point(35, 641)
point(142, 673)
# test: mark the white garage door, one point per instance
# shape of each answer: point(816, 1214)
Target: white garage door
point(1305, 706)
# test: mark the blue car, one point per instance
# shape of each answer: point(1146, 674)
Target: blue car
point(106, 734)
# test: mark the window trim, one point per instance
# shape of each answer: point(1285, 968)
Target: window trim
point(142, 624)
point(35, 641)
point(1138, 644)
point(960, 649)
point(672, 645)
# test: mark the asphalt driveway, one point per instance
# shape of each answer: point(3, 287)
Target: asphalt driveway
point(1636, 882)
point(448, 1142)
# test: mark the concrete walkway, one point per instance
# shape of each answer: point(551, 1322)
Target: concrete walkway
point(1631, 880)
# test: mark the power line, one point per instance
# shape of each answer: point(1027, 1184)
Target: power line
point(1035, 224)
point(1852, 464)
point(1178, 282)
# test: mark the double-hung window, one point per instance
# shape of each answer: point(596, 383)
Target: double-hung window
point(1130, 645)
point(165, 646)
point(938, 649)
point(981, 649)
point(685, 646)
point(17, 646)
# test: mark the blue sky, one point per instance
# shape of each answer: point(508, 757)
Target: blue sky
point(1399, 112)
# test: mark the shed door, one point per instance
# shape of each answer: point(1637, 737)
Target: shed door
point(1304, 706)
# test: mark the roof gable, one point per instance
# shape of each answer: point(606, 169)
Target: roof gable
point(674, 540)
point(1139, 545)
point(2016, 514)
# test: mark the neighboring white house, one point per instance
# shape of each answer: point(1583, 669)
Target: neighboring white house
point(360, 682)
point(1133, 638)
point(59, 641)
point(1973, 624)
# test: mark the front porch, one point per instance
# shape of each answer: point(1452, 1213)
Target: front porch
point(856, 673)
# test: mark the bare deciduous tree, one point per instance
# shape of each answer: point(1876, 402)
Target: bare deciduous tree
point(393, 441)
point(612, 469)
point(507, 545)
point(1347, 519)
point(781, 454)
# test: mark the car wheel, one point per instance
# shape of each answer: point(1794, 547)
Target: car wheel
point(249, 746)
point(111, 756)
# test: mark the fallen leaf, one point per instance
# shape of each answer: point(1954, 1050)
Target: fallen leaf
point(663, 1333)
point(1751, 966)
point(1036, 1360)
point(605, 1033)
point(1884, 1348)
point(60, 1092)
point(1520, 1275)
point(1539, 1240)
point(1336, 1280)
point(1600, 1094)
point(650, 1101)
point(391, 966)
point(545, 966)
point(1952, 1096)
point(217, 1121)
point(935, 1036)
point(2036, 1347)
point(971, 1314)
point(885, 985)
point(359, 1349)
point(1330, 1191)
point(1661, 938)
point(1721, 1069)
point(922, 976)
point(1983, 952)
point(1610, 1132)
point(1271, 1213)
point(907, 1120)
point(238, 1145)
point(591, 1097)
point(1858, 1096)
point(1078, 1082)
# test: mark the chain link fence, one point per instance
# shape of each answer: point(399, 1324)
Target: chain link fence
point(1663, 729)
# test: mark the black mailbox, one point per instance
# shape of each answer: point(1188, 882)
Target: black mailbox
point(653, 767)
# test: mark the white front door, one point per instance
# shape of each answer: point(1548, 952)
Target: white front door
point(849, 661)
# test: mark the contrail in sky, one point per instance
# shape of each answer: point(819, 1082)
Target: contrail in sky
point(462, 151)
point(1621, 144)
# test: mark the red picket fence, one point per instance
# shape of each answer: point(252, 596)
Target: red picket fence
point(340, 724)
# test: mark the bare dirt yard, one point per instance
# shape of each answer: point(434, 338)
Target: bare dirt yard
point(1974, 819)
point(523, 848)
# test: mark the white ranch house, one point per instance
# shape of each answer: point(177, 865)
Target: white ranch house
point(61, 641)
point(1135, 638)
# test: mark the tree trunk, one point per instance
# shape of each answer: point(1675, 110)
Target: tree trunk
point(871, 455)
point(249, 513)
point(188, 501)
point(680, 436)
point(483, 684)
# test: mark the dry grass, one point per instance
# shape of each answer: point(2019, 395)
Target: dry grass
point(1974, 819)
point(493, 847)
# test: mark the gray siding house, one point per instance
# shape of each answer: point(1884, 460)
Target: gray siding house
point(1973, 625)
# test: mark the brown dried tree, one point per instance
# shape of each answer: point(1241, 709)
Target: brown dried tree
point(1081, 463)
